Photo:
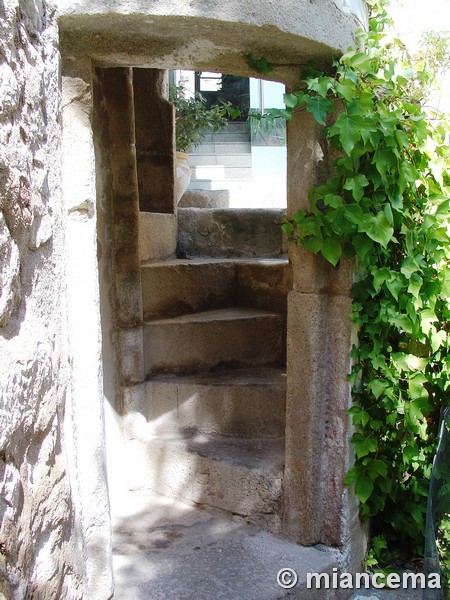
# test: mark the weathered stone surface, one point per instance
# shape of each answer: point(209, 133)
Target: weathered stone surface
point(204, 340)
point(317, 506)
point(238, 402)
point(239, 476)
point(154, 538)
point(51, 540)
point(230, 232)
point(208, 36)
point(155, 131)
point(10, 89)
point(86, 438)
point(9, 273)
point(318, 397)
point(309, 159)
point(131, 354)
point(116, 87)
point(41, 552)
point(205, 199)
point(175, 287)
point(178, 286)
point(157, 236)
point(264, 284)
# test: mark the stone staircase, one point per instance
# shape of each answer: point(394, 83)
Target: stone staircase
point(223, 161)
point(207, 426)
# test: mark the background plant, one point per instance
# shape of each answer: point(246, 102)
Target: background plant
point(386, 206)
point(193, 120)
point(268, 128)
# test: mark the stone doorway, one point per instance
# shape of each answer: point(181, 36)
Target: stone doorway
point(315, 507)
point(203, 403)
point(316, 315)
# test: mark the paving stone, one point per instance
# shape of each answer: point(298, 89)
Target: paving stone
point(166, 550)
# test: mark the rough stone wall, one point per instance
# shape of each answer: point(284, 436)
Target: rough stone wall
point(41, 555)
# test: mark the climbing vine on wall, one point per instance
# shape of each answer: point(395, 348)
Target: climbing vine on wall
point(386, 206)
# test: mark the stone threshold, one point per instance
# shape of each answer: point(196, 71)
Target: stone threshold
point(166, 550)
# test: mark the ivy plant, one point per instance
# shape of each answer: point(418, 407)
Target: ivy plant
point(193, 120)
point(386, 206)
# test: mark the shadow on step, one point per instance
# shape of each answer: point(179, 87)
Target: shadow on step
point(166, 550)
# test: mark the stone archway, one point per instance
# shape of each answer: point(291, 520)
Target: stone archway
point(317, 508)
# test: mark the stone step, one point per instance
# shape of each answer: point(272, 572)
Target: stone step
point(205, 199)
point(244, 194)
point(234, 186)
point(166, 550)
point(226, 160)
point(174, 287)
point(223, 148)
point(234, 402)
point(263, 284)
point(235, 475)
point(204, 340)
point(227, 137)
point(231, 232)
point(220, 173)
point(178, 286)
point(236, 126)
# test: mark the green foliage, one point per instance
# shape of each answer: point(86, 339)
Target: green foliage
point(268, 128)
point(387, 207)
point(193, 119)
point(435, 51)
point(259, 64)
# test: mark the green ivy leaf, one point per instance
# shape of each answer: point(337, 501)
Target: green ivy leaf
point(363, 245)
point(380, 276)
point(348, 128)
point(415, 284)
point(361, 60)
point(438, 339)
point(320, 85)
point(363, 488)
point(356, 184)
point(288, 228)
point(377, 468)
point(352, 475)
point(395, 285)
point(359, 416)
point(259, 64)
point(378, 228)
point(291, 100)
point(333, 200)
point(319, 107)
point(427, 317)
point(409, 266)
point(364, 445)
point(332, 250)
point(416, 386)
point(346, 89)
point(416, 363)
